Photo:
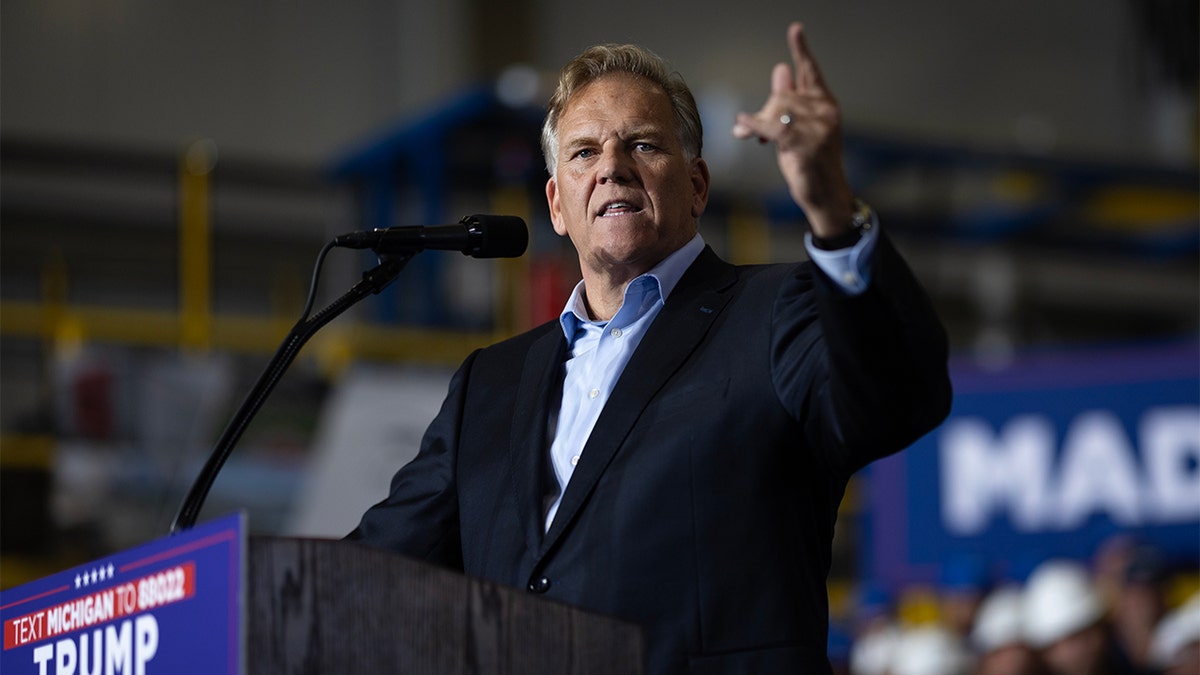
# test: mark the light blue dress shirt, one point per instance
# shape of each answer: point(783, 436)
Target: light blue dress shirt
point(597, 351)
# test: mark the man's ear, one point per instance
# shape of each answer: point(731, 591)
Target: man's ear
point(700, 180)
point(555, 207)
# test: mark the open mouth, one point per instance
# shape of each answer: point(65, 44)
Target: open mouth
point(618, 208)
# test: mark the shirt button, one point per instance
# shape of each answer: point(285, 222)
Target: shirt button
point(616, 332)
point(593, 393)
point(850, 278)
point(575, 460)
point(539, 585)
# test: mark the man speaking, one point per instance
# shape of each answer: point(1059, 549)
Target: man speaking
point(673, 449)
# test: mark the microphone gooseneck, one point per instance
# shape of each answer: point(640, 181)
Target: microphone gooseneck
point(480, 236)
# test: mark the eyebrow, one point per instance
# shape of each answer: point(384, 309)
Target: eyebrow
point(648, 132)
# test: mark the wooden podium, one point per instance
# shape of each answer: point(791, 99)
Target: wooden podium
point(319, 606)
point(211, 599)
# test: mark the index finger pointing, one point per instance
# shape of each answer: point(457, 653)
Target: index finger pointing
point(808, 75)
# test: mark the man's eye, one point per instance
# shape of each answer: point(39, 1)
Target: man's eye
point(585, 153)
point(644, 147)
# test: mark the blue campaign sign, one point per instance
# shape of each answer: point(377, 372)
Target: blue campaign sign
point(170, 606)
point(1048, 457)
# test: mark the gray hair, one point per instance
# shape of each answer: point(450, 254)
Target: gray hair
point(601, 60)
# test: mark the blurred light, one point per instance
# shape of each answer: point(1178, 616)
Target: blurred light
point(517, 86)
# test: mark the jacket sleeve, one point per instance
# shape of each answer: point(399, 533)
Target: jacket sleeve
point(420, 516)
point(866, 374)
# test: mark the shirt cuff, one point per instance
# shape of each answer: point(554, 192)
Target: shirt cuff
point(849, 268)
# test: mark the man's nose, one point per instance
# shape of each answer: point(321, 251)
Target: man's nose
point(615, 167)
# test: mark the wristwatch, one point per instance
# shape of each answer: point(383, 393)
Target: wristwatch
point(861, 220)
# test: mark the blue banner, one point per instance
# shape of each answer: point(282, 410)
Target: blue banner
point(170, 606)
point(1047, 457)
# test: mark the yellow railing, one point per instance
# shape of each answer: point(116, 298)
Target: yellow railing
point(145, 327)
point(195, 246)
point(192, 325)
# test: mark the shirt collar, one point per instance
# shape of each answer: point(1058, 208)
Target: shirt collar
point(666, 274)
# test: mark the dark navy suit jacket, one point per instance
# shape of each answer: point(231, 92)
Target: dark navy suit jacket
point(704, 503)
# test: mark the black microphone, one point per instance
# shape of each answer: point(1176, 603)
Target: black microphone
point(479, 236)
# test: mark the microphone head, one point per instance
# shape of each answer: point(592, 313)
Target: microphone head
point(498, 236)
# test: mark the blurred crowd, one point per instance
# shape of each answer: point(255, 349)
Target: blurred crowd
point(1126, 611)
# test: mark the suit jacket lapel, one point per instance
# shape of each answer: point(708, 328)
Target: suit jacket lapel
point(685, 318)
point(539, 389)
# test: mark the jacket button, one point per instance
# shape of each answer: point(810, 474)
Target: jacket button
point(539, 585)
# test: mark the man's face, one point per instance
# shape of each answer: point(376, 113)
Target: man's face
point(1081, 653)
point(623, 190)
